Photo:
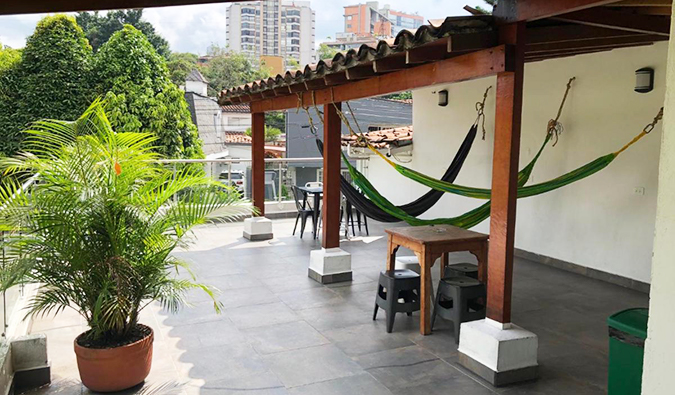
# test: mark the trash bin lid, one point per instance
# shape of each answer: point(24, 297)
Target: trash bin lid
point(631, 321)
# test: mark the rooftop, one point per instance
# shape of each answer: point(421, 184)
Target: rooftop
point(196, 75)
point(282, 333)
point(396, 137)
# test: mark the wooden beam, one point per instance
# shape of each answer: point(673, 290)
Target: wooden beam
point(659, 11)
point(317, 83)
point(582, 51)
point(336, 78)
point(360, 72)
point(258, 161)
point(427, 53)
point(643, 3)
point(45, 6)
point(505, 178)
point(564, 33)
point(508, 11)
point(461, 68)
point(611, 19)
point(603, 43)
point(282, 90)
point(268, 93)
point(472, 41)
point(332, 146)
point(390, 63)
point(296, 88)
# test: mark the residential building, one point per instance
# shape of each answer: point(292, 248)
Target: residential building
point(370, 20)
point(372, 115)
point(273, 28)
point(346, 41)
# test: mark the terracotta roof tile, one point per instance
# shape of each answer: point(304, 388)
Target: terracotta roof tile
point(397, 137)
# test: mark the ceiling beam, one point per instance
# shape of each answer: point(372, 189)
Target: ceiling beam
point(601, 17)
point(338, 78)
point(567, 52)
point(565, 33)
point(590, 44)
point(643, 3)
point(461, 68)
point(10, 7)
point(360, 72)
point(508, 11)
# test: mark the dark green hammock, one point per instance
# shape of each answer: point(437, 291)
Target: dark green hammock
point(477, 215)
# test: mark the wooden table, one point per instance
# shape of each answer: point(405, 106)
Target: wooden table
point(430, 243)
point(317, 192)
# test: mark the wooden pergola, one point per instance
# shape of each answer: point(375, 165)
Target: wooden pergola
point(459, 49)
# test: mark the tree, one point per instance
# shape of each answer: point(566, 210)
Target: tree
point(276, 119)
point(8, 57)
point(99, 28)
point(51, 80)
point(271, 133)
point(228, 69)
point(326, 52)
point(491, 3)
point(180, 64)
point(139, 95)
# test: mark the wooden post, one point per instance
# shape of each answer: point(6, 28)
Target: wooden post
point(332, 132)
point(258, 165)
point(505, 177)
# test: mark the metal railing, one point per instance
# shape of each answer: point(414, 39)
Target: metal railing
point(280, 174)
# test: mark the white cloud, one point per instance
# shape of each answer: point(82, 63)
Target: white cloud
point(194, 28)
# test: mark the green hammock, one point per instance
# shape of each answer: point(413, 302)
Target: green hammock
point(477, 215)
point(466, 221)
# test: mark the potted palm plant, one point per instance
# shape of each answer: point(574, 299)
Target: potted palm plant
point(97, 230)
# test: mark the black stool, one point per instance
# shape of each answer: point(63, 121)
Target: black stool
point(457, 301)
point(461, 270)
point(393, 286)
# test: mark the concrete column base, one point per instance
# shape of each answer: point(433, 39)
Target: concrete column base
point(330, 265)
point(409, 263)
point(258, 228)
point(499, 353)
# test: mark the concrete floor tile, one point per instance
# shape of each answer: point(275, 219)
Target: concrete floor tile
point(262, 315)
point(311, 365)
point(284, 337)
point(360, 384)
point(310, 298)
point(366, 339)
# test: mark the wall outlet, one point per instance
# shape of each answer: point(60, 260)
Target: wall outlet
point(639, 191)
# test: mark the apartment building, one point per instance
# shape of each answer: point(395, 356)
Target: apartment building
point(268, 28)
point(370, 20)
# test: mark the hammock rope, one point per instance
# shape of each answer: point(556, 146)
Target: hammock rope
point(479, 214)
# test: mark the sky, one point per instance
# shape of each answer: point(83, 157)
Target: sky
point(194, 28)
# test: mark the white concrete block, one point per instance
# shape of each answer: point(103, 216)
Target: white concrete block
point(258, 228)
point(498, 349)
point(330, 261)
point(29, 351)
point(408, 262)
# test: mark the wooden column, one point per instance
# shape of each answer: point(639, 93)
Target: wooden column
point(332, 132)
point(258, 166)
point(505, 176)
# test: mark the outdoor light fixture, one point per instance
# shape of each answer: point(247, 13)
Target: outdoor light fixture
point(443, 98)
point(644, 80)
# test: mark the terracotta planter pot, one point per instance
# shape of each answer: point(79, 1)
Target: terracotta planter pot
point(115, 369)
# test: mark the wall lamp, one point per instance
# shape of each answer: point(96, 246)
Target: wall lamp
point(443, 98)
point(644, 80)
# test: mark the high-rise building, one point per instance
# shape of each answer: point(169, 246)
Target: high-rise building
point(370, 20)
point(273, 28)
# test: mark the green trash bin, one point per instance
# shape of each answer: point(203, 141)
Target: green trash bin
point(627, 334)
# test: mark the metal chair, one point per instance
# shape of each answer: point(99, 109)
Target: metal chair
point(303, 212)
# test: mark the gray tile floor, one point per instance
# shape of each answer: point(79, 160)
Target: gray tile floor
point(282, 333)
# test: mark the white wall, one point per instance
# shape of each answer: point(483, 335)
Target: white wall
point(660, 345)
point(598, 222)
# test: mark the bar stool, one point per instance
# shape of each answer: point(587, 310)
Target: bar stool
point(457, 301)
point(393, 286)
point(461, 270)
